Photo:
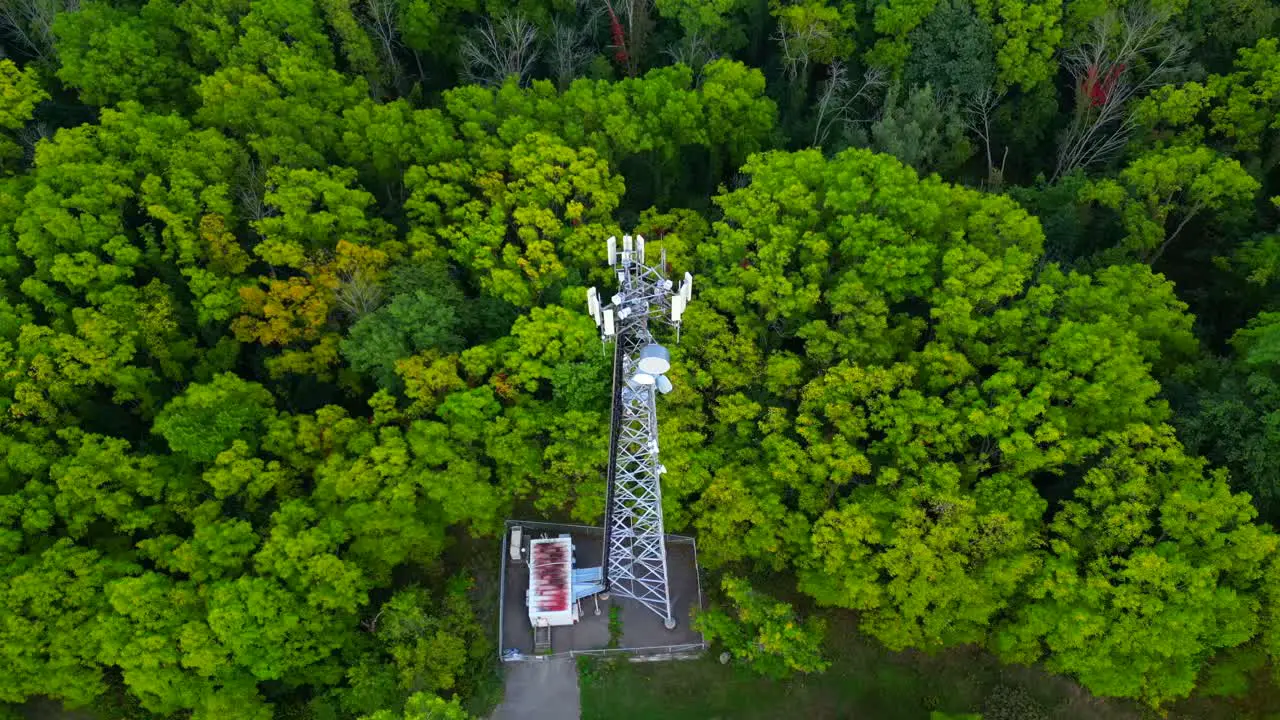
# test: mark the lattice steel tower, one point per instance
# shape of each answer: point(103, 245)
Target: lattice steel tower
point(635, 549)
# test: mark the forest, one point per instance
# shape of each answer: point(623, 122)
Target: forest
point(985, 348)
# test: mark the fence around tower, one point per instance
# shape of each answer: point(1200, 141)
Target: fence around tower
point(643, 636)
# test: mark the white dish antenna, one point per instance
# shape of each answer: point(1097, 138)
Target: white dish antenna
point(664, 385)
point(643, 378)
point(654, 359)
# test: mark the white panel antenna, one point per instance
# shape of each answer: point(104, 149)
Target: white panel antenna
point(593, 302)
point(686, 289)
point(640, 248)
point(612, 243)
point(608, 322)
point(677, 307)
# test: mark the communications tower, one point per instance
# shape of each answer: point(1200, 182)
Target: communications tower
point(634, 545)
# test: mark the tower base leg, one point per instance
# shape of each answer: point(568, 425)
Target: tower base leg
point(669, 623)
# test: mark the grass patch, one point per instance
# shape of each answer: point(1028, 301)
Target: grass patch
point(615, 626)
point(864, 681)
point(867, 681)
point(705, 690)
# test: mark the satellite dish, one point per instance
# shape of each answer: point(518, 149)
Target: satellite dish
point(643, 378)
point(654, 359)
point(664, 384)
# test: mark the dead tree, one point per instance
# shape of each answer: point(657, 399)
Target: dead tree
point(1128, 53)
point(692, 50)
point(839, 99)
point(978, 109)
point(629, 25)
point(30, 24)
point(570, 52)
point(494, 54)
point(30, 136)
point(358, 294)
point(250, 189)
point(797, 44)
point(382, 21)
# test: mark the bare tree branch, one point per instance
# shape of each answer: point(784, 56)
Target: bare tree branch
point(30, 136)
point(978, 109)
point(250, 188)
point(494, 54)
point(1108, 71)
point(569, 52)
point(633, 19)
point(839, 99)
point(797, 45)
point(30, 23)
point(590, 13)
point(692, 50)
point(358, 294)
point(382, 22)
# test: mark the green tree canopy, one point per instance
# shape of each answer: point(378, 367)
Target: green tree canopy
point(207, 418)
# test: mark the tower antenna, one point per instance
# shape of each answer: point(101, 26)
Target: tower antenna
point(634, 542)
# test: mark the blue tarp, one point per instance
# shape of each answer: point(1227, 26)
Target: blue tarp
point(587, 582)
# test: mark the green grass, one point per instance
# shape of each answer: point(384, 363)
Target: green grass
point(864, 681)
point(703, 690)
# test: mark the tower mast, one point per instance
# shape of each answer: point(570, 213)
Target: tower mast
point(634, 543)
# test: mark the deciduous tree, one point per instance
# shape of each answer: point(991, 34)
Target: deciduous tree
point(1173, 185)
point(764, 633)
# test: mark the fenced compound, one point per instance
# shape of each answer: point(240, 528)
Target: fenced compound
point(643, 633)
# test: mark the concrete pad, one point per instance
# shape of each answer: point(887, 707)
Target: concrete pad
point(641, 627)
point(540, 690)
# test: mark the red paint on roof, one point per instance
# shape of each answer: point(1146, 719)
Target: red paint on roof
point(551, 577)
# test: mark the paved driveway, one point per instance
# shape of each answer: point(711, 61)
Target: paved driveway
point(540, 690)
